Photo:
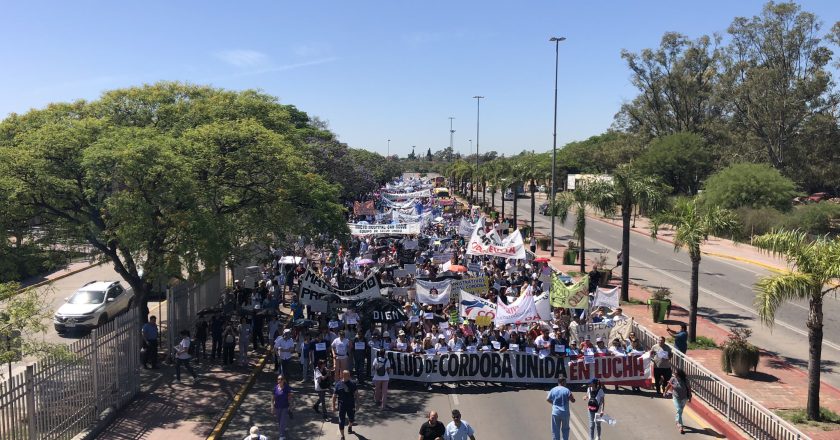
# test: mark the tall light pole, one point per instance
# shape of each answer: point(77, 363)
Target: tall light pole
point(556, 41)
point(477, 126)
point(451, 135)
point(388, 154)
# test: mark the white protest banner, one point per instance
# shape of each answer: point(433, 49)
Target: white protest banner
point(408, 218)
point(357, 229)
point(431, 292)
point(543, 306)
point(472, 307)
point(490, 243)
point(395, 205)
point(465, 228)
point(317, 292)
point(605, 298)
point(521, 310)
point(613, 370)
point(474, 285)
point(405, 196)
point(608, 330)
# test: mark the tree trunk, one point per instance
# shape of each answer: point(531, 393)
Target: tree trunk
point(815, 338)
point(515, 204)
point(581, 229)
point(503, 204)
point(626, 213)
point(493, 199)
point(693, 295)
point(533, 202)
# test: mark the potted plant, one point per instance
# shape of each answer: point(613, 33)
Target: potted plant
point(570, 254)
point(738, 355)
point(660, 304)
point(605, 274)
point(544, 243)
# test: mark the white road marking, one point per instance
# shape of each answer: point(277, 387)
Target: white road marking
point(728, 263)
point(750, 288)
point(577, 425)
point(680, 261)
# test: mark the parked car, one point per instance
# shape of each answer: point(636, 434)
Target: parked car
point(542, 188)
point(543, 209)
point(93, 305)
point(817, 197)
point(508, 194)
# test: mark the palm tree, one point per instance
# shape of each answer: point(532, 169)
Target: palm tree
point(577, 199)
point(496, 174)
point(693, 225)
point(519, 175)
point(628, 190)
point(815, 265)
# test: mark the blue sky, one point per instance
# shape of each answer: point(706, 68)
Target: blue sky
point(376, 70)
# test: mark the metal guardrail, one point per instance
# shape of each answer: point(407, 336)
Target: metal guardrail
point(747, 414)
point(58, 398)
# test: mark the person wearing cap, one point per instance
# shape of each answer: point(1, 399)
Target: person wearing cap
point(573, 351)
point(254, 434)
point(458, 429)
point(595, 404)
point(560, 398)
point(402, 343)
point(340, 350)
point(600, 347)
point(284, 345)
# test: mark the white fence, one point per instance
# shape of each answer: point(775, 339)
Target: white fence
point(58, 398)
point(745, 413)
point(185, 300)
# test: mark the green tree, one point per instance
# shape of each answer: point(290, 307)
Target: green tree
point(693, 225)
point(429, 156)
point(750, 185)
point(577, 200)
point(628, 189)
point(682, 160)
point(815, 268)
point(22, 317)
point(170, 178)
point(775, 77)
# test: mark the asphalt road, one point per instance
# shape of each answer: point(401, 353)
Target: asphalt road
point(495, 412)
point(726, 295)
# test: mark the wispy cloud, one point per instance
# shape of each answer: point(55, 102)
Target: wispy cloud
point(243, 57)
point(310, 50)
point(429, 37)
point(273, 69)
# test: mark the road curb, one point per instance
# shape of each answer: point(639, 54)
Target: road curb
point(62, 276)
point(224, 421)
point(714, 418)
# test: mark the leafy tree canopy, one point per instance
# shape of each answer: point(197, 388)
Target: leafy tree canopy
point(750, 185)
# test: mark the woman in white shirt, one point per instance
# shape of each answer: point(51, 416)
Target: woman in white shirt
point(381, 368)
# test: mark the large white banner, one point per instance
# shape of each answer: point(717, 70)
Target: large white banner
point(472, 306)
point(490, 243)
point(518, 367)
point(605, 298)
point(317, 292)
point(424, 218)
point(465, 228)
point(396, 229)
point(405, 196)
point(397, 205)
point(543, 306)
point(433, 292)
point(608, 330)
point(521, 310)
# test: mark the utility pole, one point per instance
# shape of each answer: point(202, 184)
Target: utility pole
point(477, 127)
point(556, 41)
point(451, 134)
point(388, 154)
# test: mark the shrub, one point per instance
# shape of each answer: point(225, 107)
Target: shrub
point(759, 221)
point(813, 219)
point(750, 185)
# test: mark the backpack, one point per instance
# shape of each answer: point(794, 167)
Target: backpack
point(592, 405)
point(381, 368)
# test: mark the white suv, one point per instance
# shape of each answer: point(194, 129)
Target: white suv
point(93, 305)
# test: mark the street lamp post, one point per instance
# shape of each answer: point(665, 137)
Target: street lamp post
point(388, 154)
point(477, 126)
point(556, 41)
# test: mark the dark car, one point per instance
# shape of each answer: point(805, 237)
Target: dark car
point(544, 209)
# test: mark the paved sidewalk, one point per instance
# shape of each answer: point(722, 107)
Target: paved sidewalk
point(776, 385)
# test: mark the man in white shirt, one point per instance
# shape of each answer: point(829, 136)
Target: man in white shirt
point(340, 348)
point(284, 346)
point(458, 429)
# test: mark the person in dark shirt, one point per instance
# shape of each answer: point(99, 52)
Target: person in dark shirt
point(680, 338)
point(217, 326)
point(432, 429)
point(319, 349)
point(344, 395)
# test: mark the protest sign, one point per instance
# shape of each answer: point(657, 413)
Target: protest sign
point(571, 297)
point(317, 292)
point(431, 292)
point(473, 307)
point(364, 208)
point(474, 285)
point(543, 306)
point(606, 298)
point(608, 330)
point(490, 243)
point(357, 229)
point(517, 367)
point(474, 268)
point(465, 228)
point(406, 196)
point(521, 310)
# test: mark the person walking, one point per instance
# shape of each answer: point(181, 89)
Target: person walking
point(559, 398)
point(201, 328)
point(229, 338)
point(150, 343)
point(284, 345)
point(680, 390)
point(381, 370)
point(360, 354)
point(322, 385)
point(432, 429)
point(344, 395)
point(217, 328)
point(340, 350)
point(661, 356)
point(595, 405)
point(182, 356)
point(458, 429)
point(254, 434)
point(281, 404)
point(244, 337)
